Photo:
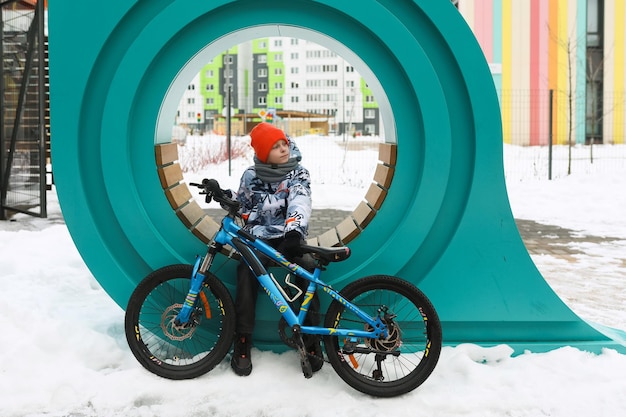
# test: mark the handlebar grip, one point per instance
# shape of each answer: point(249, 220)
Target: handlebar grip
point(212, 186)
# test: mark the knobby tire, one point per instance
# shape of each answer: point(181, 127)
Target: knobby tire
point(417, 337)
point(170, 351)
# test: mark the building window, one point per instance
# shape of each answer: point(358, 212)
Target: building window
point(594, 71)
point(369, 114)
point(262, 87)
point(210, 87)
point(278, 100)
point(278, 71)
point(262, 101)
point(595, 13)
point(262, 59)
point(209, 101)
point(262, 73)
point(278, 86)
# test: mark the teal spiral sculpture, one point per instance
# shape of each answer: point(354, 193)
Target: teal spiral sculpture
point(118, 71)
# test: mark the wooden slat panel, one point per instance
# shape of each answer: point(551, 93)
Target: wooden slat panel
point(388, 153)
point(363, 214)
point(347, 230)
point(329, 238)
point(191, 213)
point(375, 196)
point(383, 175)
point(206, 229)
point(170, 175)
point(312, 241)
point(178, 195)
point(166, 153)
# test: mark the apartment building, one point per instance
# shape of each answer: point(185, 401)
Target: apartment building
point(295, 82)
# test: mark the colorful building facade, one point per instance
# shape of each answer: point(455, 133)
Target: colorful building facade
point(558, 66)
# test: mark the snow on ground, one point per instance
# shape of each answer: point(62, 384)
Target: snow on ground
point(64, 351)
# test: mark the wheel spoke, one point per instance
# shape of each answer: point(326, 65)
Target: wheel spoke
point(179, 351)
point(398, 363)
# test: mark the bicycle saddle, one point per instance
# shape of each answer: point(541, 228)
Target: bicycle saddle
point(327, 254)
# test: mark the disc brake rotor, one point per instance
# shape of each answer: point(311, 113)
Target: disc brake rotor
point(170, 329)
point(390, 343)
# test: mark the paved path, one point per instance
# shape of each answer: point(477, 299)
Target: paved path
point(539, 238)
point(554, 240)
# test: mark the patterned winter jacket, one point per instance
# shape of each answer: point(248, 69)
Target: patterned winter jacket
point(272, 209)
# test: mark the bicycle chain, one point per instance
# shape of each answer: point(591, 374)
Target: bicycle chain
point(317, 356)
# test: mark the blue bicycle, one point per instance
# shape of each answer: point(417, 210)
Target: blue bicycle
point(381, 334)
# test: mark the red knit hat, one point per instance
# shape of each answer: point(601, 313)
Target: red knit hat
point(264, 136)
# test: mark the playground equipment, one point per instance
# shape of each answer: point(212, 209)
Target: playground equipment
point(446, 207)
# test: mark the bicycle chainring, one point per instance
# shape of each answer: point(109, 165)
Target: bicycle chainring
point(283, 329)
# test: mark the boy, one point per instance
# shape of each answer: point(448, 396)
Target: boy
point(275, 197)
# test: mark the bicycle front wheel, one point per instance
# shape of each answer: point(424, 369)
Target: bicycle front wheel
point(398, 363)
point(179, 351)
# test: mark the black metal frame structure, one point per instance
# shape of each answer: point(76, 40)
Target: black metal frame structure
point(24, 135)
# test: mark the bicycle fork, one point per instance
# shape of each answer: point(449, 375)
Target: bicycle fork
point(197, 278)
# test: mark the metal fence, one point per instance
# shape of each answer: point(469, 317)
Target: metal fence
point(548, 136)
point(23, 135)
point(539, 162)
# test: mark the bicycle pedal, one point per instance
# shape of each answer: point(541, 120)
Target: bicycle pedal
point(307, 371)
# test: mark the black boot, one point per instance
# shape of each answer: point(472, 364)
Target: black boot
point(241, 362)
point(314, 349)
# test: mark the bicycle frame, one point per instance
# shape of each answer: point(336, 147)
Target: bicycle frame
point(232, 234)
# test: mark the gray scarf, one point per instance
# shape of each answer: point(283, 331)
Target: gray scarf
point(273, 172)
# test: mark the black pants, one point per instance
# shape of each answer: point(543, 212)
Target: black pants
point(248, 291)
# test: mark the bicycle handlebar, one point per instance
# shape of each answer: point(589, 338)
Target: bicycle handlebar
point(211, 188)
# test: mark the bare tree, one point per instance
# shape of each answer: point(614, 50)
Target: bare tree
point(569, 45)
point(593, 74)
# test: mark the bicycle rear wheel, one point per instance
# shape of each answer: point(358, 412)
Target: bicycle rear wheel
point(401, 362)
point(179, 352)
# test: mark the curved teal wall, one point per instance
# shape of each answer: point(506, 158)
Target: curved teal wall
point(446, 223)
